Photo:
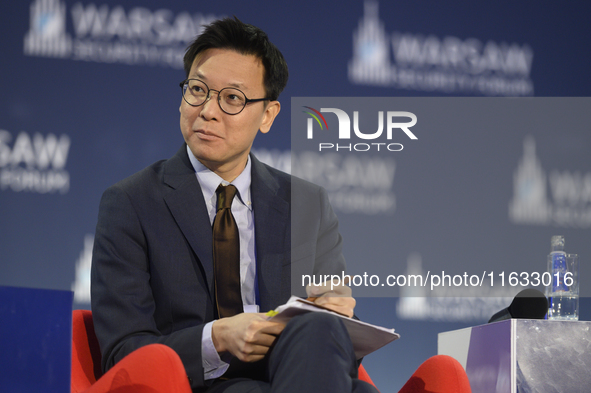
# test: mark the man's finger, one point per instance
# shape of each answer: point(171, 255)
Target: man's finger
point(342, 305)
point(314, 292)
point(267, 334)
point(264, 340)
point(329, 288)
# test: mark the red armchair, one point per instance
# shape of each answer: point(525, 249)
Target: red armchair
point(438, 374)
point(136, 372)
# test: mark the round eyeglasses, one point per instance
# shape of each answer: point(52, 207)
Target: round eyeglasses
point(231, 100)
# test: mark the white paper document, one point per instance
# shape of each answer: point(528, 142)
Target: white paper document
point(366, 337)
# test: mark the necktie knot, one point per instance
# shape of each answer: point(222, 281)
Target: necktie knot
point(225, 196)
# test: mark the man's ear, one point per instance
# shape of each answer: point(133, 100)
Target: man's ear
point(271, 112)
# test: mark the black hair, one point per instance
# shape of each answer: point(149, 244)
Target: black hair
point(245, 39)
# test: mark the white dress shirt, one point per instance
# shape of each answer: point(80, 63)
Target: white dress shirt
point(213, 366)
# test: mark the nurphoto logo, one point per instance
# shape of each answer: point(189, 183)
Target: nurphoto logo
point(393, 123)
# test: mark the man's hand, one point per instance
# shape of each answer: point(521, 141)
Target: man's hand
point(247, 336)
point(335, 297)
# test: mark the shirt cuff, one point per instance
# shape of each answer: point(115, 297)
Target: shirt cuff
point(213, 366)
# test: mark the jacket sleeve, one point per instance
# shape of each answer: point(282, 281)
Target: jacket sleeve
point(123, 302)
point(317, 245)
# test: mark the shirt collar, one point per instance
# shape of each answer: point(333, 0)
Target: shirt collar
point(209, 181)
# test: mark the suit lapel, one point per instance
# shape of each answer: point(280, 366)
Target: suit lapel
point(272, 235)
point(186, 204)
point(272, 224)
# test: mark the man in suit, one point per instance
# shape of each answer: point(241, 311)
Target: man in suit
point(154, 278)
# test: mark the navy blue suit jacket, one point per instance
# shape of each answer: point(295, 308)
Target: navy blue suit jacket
point(152, 268)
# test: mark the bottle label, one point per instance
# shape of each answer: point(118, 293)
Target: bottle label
point(558, 271)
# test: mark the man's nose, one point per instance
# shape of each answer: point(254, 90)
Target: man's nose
point(214, 103)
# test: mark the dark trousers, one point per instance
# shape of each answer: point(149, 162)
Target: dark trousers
point(313, 354)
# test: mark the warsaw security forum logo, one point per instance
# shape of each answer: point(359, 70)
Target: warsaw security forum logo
point(449, 64)
point(567, 205)
point(81, 284)
point(111, 34)
point(47, 34)
point(34, 163)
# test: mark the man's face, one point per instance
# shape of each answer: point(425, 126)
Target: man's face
point(220, 141)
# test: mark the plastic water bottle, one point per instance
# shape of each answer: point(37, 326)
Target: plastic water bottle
point(558, 292)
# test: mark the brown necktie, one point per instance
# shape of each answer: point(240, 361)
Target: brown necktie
point(226, 255)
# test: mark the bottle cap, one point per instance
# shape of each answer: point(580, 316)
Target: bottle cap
point(557, 242)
